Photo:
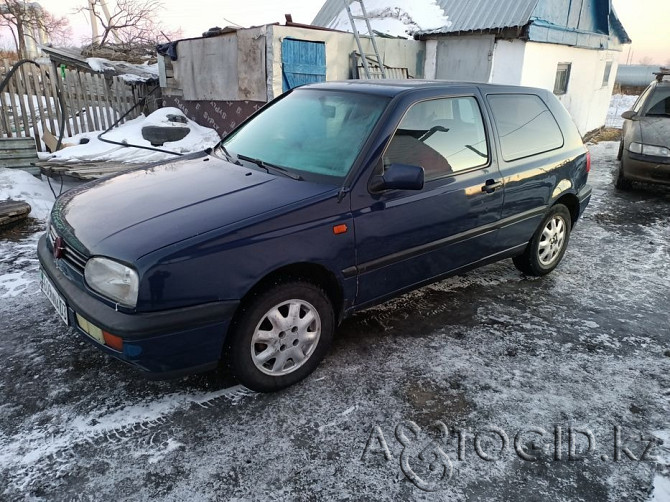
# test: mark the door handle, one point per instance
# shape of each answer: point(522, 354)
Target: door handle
point(491, 186)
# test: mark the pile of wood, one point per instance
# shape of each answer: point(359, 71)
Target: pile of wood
point(12, 211)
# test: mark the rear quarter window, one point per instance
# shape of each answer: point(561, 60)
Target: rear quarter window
point(525, 125)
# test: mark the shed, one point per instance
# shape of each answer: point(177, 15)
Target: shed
point(571, 47)
point(635, 77)
point(220, 79)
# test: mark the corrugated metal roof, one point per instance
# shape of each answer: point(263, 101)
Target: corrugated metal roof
point(494, 15)
point(475, 15)
point(328, 13)
point(465, 15)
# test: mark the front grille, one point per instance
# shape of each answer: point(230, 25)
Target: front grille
point(73, 257)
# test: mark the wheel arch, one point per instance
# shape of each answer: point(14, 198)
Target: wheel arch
point(571, 201)
point(305, 271)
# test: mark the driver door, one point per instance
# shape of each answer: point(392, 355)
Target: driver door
point(406, 238)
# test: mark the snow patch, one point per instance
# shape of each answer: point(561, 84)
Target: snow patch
point(386, 17)
point(12, 285)
point(198, 139)
point(99, 64)
point(19, 185)
point(661, 490)
point(619, 104)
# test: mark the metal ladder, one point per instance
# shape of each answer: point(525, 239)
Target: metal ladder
point(352, 19)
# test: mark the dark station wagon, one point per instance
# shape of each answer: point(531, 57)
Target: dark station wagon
point(333, 198)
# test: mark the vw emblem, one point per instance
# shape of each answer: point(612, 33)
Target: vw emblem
point(59, 248)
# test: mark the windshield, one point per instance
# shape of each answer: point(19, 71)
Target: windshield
point(316, 134)
point(659, 102)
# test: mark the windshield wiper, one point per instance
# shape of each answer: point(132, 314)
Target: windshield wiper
point(271, 167)
point(229, 156)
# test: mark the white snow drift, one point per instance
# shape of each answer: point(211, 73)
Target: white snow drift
point(16, 184)
point(130, 133)
point(386, 17)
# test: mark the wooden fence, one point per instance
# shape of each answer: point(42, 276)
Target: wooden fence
point(30, 105)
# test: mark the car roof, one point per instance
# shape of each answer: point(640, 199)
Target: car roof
point(393, 88)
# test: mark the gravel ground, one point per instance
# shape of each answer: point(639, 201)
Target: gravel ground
point(488, 386)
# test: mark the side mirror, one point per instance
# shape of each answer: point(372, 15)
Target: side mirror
point(398, 177)
point(629, 115)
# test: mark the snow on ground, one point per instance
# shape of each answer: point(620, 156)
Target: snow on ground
point(619, 104)
point(198, 139)
point(661, 491)
point(18, 185)
point(386, 17)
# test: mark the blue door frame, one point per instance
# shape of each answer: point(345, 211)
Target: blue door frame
point(303, 62)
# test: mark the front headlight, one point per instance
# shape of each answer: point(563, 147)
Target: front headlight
point(654, 151)
point(113, 280)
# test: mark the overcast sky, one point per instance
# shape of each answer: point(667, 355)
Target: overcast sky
point(645, 20)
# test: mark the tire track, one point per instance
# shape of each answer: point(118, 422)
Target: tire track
point(30, 458)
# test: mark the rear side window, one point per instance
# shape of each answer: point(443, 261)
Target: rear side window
point(659, 102)
point(525, 124)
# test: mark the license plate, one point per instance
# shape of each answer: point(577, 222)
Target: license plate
point(51, 293)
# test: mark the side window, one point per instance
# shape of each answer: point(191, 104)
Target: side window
point(443, 136)
point(525, 124)
point(606, 75)
point(562, 78)
point(642, 99)
point(659, 103)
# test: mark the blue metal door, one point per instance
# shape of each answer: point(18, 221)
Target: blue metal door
point(303, 62)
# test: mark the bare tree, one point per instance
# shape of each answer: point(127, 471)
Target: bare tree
point(646, 60)
point(130, 24)
point(29, 21)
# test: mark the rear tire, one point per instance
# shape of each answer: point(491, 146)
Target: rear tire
point(280, 336)
point(547, 246)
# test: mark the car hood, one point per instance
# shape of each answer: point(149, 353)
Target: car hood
point(135, 213)
point(655, 131)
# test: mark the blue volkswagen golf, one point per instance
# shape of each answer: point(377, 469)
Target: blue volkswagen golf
point(333, 198)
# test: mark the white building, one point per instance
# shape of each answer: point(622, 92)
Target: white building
point(569, 46)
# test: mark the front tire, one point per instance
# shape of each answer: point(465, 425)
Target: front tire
point(620, 180)
point(280, 336)
point(547, 246)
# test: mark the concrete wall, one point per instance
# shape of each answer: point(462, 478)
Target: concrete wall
point(228, 67)
point(534, 64)
point(508, 61)
point(396, 53)
point(586, 100)
point(466, 58)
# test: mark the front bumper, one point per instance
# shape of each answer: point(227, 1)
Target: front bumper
point(165, 344)
point(645, 168)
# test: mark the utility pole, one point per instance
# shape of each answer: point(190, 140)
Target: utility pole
point(95, 33)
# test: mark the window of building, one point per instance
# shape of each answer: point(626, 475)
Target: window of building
point(525, 124)
point(606, 75)
point(444, 136)
point(562, 78)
